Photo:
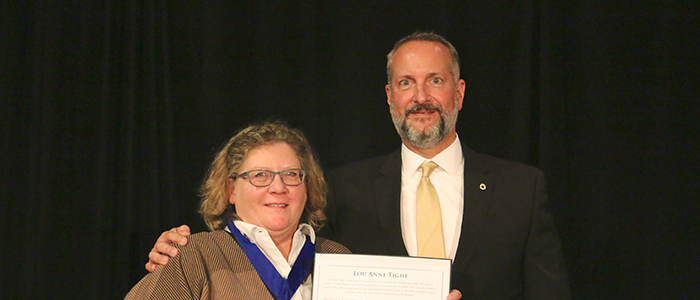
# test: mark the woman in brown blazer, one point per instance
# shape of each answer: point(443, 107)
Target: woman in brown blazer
point(263, 198)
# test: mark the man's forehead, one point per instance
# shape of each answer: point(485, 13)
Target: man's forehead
point(421, 56)
point(424, 47)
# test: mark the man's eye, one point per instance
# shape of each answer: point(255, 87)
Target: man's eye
point(436, 80)
point(403, 82)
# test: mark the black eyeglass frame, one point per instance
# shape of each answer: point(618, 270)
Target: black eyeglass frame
point(302, 176)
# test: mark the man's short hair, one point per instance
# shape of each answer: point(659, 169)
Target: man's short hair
point(428, 37)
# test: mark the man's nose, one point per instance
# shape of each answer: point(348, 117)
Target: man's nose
point(421, 94)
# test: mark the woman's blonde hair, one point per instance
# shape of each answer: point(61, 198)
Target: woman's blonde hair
point(215, 208)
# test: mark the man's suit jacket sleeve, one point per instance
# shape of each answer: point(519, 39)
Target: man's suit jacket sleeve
point(544, 269)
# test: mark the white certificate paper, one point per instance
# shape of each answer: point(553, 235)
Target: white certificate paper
point(373, 277)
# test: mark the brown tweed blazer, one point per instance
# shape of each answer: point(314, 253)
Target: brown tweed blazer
point(211, 266)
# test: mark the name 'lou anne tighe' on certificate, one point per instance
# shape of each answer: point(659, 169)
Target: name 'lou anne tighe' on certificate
point(374, 277)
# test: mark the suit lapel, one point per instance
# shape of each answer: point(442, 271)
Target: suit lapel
point(478, 187)
point(387, 197)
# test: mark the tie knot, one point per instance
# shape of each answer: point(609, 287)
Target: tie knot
point(428, 168)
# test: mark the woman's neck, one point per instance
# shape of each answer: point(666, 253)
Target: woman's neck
point(284, 242)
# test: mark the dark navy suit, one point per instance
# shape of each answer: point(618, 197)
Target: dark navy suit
point(508, 249)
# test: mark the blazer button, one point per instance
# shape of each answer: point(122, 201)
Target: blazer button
point(482, 187)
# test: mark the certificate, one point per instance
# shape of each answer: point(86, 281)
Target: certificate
point(373, 277)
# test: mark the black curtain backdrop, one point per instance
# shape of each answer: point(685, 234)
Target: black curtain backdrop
point(112, 110)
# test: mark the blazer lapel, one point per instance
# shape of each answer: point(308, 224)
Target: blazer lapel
point(228, 270)
point(478, 187)
point(387, 196)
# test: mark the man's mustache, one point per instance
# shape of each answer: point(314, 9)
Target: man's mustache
point(423, 107)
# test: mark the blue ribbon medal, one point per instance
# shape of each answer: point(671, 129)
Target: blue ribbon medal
point(282, 289)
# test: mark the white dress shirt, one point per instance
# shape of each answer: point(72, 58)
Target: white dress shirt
point(261, 238)
point(448, 179)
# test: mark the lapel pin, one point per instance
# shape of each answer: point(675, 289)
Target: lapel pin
point(482, 187)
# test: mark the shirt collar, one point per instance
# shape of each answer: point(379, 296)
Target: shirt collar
point(248, 230)
point(449, 159)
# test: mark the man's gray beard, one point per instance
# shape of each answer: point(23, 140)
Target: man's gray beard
point(432, 135)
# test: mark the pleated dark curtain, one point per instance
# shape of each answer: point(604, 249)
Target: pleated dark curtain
point(112, 111)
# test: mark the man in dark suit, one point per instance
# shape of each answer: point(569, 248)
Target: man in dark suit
point(493, 216)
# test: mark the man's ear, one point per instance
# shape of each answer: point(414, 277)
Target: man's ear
point(387, 89)
point(461, 87)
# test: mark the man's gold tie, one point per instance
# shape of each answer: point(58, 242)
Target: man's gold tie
point(429, 216)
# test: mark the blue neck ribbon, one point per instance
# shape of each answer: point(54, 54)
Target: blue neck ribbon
point(282, 289)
